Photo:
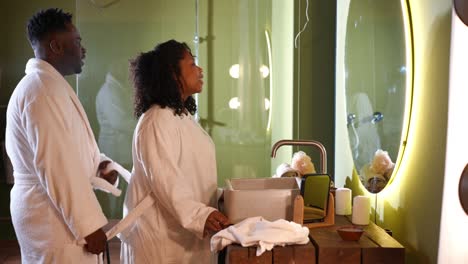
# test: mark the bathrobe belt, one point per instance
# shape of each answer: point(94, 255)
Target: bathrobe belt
point(131, 217)
point(148, 201)
point(25, 178)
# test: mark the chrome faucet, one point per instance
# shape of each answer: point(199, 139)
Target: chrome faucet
point(313, 143)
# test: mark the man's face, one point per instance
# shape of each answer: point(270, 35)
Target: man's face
point(72, 53)
point(191, 76)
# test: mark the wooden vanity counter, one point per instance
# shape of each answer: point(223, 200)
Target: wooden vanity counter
point(374, 246)
point(326, 246)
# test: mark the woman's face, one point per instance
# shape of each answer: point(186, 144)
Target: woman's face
point(191, 76)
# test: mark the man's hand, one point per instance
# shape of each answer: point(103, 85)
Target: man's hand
point(215, 222)
point(96, 242)
point(110, 176)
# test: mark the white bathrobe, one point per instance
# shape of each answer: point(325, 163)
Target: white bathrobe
point(174, 159)
point(114, 110)
point(53, 152)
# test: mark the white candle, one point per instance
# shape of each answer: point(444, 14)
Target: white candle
point(361, 210)
point(343, 201)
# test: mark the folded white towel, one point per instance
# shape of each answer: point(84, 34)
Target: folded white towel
point(285, 170)
point(256, 231)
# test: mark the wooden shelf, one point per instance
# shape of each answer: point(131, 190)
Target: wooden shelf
point(326, 246)
point(375, 245)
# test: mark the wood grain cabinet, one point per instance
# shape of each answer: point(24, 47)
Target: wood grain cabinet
point(326, 246)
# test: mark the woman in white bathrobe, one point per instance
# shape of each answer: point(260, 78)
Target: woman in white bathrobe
point(174, 160)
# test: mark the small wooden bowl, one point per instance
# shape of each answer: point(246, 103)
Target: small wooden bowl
point(350, 233)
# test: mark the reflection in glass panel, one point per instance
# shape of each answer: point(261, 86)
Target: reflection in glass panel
point(234, 52)
point(236, 111)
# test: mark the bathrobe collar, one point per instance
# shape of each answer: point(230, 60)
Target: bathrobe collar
point(38, 65)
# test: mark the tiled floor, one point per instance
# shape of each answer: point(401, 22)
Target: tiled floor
point(10, 252)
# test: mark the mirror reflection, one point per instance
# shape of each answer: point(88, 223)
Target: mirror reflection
point(376, 77)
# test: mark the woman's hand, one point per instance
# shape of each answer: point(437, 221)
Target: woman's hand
point(215, 222)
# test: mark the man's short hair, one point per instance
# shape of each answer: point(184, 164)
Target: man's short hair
point(45, 22)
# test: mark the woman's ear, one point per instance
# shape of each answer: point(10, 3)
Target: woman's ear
point(176, 79)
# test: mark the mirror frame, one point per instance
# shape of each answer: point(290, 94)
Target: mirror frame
point(409, 86)
point(409, 43)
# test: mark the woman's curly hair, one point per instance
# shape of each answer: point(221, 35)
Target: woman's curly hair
point(156, 79)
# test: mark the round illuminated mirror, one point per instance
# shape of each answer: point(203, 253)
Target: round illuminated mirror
point(378, 84)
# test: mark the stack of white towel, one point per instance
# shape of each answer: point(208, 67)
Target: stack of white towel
point(256, 231)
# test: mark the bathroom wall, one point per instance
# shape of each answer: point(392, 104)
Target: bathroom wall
point(314, 78)
point(454, 218)
point(411, 205)
point(283, 76)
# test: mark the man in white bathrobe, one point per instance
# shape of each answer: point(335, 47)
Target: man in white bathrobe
point(53, 151)
point(173, 160)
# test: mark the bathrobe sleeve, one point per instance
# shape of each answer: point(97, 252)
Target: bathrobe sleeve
point(159, 151)
point(60, 164)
